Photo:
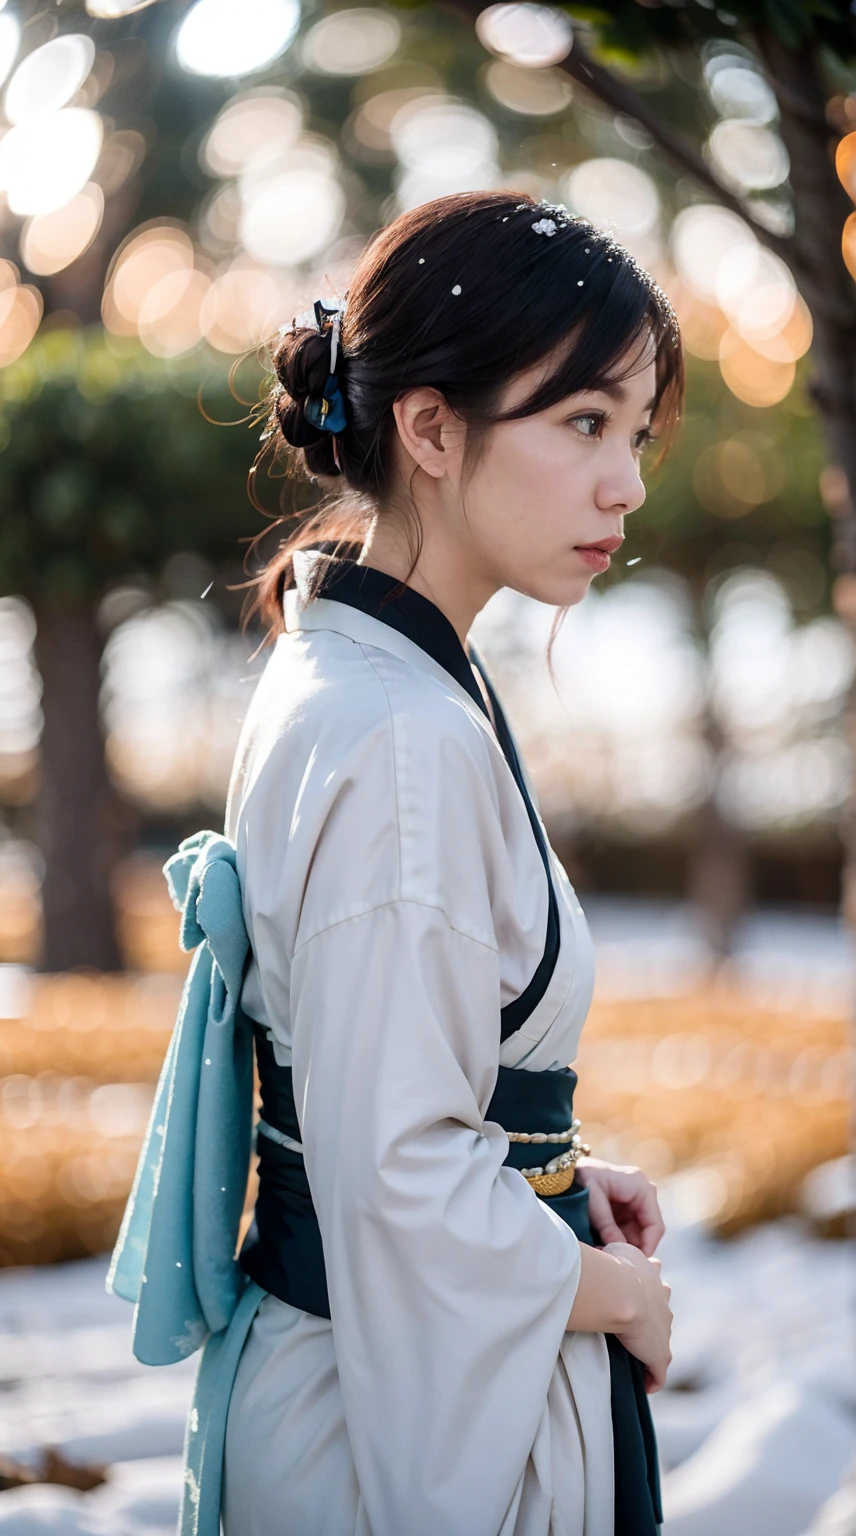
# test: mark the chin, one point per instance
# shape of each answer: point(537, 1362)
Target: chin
point(558, 591)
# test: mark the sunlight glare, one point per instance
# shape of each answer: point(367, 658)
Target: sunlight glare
point(221, 38)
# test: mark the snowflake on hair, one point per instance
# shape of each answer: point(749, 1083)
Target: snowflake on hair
point(555, 210)
point(545, 227)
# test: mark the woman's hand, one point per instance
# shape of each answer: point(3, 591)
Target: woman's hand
point(648, 1336)
point(623, 1204)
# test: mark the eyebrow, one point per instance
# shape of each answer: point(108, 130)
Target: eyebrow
point(617, 391)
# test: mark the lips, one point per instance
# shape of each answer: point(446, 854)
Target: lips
point(609, 546)
point(596, 556)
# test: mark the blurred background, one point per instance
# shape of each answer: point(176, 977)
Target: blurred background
point(177, 179)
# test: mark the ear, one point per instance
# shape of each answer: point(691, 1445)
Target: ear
point(429, 430)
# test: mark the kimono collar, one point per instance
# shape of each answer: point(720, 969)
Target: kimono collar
point(412, 615)
point(423, 624)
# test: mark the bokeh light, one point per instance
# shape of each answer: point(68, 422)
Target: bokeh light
point(46, 160)
point(616, 739)
point(174, 684)
point(113, 10)
point(778, 689)
point(20, 708)
point(368, 131)
point(293, 206)
point(141, 262)
point(848, 244)
point(737, 89)
point(793, 340)
point(763, 666)
point(219, 219)
point(168, 320)
point(756, 291)
point(443, 145)
point(20, 313)
point(249, 128)
point(702, 325)
point(122, 153)
point(53, 240)
point(845, 163)
point(733, 476)
point(10, 38)
point(352, 42)
point(614, 195)
point(49, 76)
point(528, 35)
point(218, 37)
point(531, 93)
point(752, 377)
point(702, 237)
point(748, 156)
point(244, 305)
point(738, 303)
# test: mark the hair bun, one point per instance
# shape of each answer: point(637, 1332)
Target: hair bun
point(302, 364)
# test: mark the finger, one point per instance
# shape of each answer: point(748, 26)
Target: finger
point(650, 1238)
point(654, 1380)
point(633, 1195)
point(646, 1209)
point(601, 1217)
point(645, 1206)
point(609, 1232)
point(631, 1234)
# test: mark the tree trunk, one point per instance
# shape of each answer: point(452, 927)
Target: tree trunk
point(83, 827)
point(821, 206)
point(720, 874)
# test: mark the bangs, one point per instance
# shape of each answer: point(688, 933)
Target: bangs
point(606, 345)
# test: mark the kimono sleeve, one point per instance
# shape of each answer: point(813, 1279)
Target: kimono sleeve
point(450, 1282)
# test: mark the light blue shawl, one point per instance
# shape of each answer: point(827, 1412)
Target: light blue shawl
point(175, 1254)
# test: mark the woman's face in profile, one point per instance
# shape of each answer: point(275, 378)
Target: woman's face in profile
point(547, 500)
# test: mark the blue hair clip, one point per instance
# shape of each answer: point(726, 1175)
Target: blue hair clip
point(328, 413)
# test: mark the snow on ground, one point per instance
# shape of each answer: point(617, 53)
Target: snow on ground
point(756, 1428)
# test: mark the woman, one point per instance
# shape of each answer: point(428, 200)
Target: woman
point(444, 1349)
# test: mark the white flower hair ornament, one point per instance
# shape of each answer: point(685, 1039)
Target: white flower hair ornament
point(555, 216)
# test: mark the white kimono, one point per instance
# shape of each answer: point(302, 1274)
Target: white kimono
point(395, 899)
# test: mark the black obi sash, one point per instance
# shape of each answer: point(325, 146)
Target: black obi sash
point(283, 1251)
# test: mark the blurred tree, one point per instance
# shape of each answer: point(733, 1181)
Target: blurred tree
point(807, 51)
point(93, 499)
point(107, 467)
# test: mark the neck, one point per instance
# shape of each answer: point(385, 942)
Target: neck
point(448, 577)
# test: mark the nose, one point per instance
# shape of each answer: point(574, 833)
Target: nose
point(621, 490)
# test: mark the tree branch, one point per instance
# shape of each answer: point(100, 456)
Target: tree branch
point(621, 97)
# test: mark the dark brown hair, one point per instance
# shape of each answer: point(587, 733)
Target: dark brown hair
point(460, 294)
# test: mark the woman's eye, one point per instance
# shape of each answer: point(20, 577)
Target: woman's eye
point(580, 422)
point(592, 423)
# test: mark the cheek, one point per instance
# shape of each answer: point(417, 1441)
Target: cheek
point(537, 452)
point(534, 467)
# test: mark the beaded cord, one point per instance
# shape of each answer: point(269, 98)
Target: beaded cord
point(537, 1138)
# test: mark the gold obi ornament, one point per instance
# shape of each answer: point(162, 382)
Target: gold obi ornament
point(556, 1176)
